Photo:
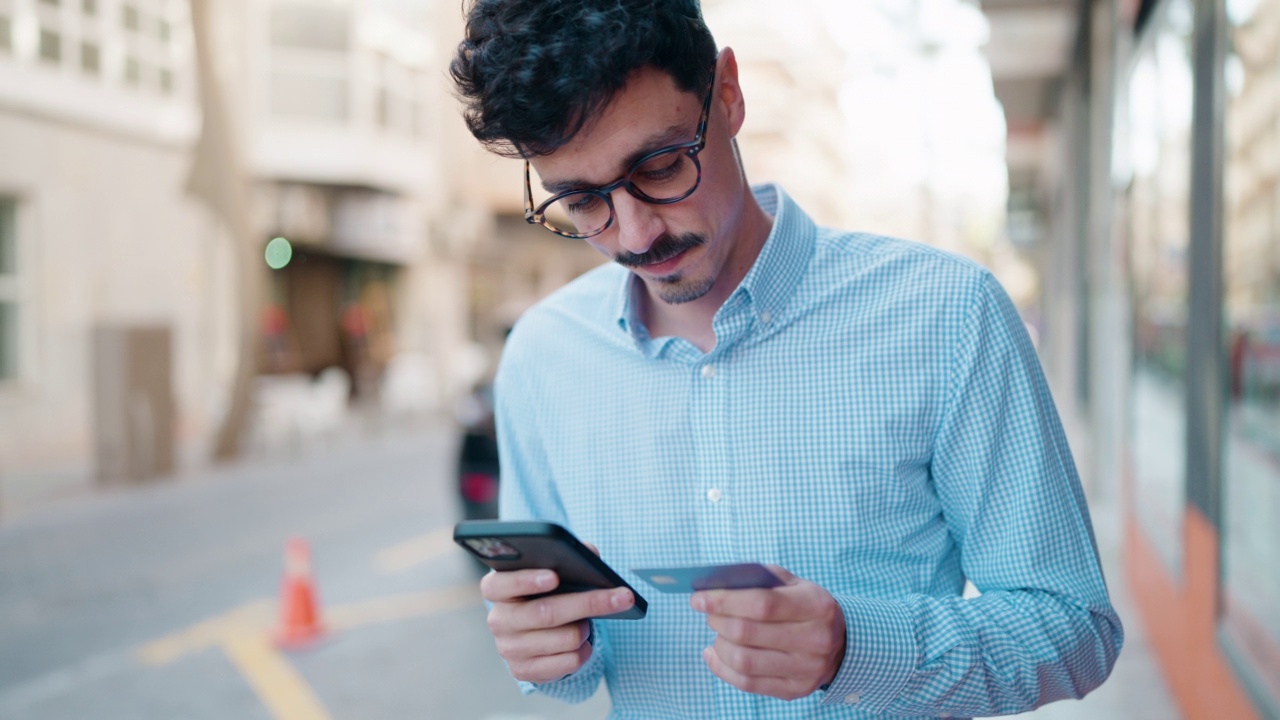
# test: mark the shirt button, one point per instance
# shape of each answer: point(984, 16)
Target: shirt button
point(714, 495)
point(708, 371)
point(852, 699)
point(766, 317)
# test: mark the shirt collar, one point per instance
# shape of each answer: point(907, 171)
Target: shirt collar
point(773, 277)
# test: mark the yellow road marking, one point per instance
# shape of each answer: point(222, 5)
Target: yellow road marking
point(416, 551)
point(280, 687)
point(403, 607)
point(254, 616)
point(243, 633)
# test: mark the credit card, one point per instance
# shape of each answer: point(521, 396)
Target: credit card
point(709, 577)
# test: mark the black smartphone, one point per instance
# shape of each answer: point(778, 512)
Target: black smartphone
point(521, 544)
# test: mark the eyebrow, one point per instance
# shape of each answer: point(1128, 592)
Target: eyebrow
point(657, 141)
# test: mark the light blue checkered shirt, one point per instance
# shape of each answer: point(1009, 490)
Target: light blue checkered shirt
point(872, 418)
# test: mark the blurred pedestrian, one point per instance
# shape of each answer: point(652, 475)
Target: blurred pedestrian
point(275, 339)
point(866, 414)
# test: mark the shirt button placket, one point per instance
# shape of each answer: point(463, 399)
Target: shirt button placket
point(714, 467)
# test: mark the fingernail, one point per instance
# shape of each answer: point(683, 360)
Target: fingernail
point(544, 580)
point(699, 603)
point(620, 598)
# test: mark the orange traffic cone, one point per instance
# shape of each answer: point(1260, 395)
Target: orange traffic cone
point(299, 608)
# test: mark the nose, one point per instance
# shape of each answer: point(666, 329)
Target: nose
point(637, 222)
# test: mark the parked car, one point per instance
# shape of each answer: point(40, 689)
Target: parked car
point(478, 471)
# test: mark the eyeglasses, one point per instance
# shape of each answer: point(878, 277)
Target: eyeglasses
point(661, 177)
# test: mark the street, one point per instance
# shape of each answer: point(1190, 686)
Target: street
point(161, 601)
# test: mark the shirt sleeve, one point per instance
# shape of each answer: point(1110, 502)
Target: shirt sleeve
point(525, 492)
point(1043, 627)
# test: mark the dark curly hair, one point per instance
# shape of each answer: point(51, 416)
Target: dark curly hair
point(532, 72)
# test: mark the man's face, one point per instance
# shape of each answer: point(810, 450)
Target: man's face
point(679, 250)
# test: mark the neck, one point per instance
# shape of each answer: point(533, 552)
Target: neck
point(693, 320)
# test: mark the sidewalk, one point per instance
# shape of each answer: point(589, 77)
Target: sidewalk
point(24, 493)
point(1136, 689)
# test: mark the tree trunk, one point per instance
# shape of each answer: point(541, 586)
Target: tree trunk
point(218, 177)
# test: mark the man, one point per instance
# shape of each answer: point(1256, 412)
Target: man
point(865, 414)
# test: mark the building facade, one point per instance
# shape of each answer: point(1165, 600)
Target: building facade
point(1165, 200)
point(96, 119)
point(118, 288)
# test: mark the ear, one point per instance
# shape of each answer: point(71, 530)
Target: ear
point(729, 92)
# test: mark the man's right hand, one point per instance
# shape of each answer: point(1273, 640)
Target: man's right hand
point(547, 638)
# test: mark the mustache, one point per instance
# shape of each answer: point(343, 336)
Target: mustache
point(664, 248)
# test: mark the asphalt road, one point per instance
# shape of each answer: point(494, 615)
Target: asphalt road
point(162, 601)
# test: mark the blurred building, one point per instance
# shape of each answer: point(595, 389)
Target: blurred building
point(876, 116)
point(510, 264)
point(342, 107)
point(1158, 186)
point(100, 246)
point(118, 290)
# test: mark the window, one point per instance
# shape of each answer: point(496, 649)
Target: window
point(1251, 312)
point(132, 71)
point(129, 17)
point(90, 59)
point(310, 75)
point(384, 107)
point(303, 95)
point(8, 290)
point(8, 241)
point(1159, 141)
point(419, 120)
point(50, 46)
point(310, 26)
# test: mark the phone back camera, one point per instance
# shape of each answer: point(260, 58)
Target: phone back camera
point(493, 549)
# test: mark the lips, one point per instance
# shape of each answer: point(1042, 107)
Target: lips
point(665, 267)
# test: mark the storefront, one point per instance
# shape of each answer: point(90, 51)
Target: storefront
point(1186, 233)
point(1250, 79)
point(337, 257)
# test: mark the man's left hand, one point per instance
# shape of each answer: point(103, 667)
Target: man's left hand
point(784, 642)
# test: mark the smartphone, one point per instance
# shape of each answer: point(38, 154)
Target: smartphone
point(520, 544)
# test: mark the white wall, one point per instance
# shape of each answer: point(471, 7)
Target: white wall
point(106, 235)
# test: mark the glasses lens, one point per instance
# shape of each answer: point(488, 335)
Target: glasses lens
point(580, 213)
point(666, 176)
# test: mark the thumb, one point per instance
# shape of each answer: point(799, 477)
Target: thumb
point(783, 574)
point(592, 548)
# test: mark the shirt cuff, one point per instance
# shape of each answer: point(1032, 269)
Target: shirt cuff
point(578, 685)
point(880, 654)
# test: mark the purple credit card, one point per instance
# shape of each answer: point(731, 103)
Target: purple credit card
point(709, 577)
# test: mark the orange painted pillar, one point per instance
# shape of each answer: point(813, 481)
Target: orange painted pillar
point(1181, 619)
